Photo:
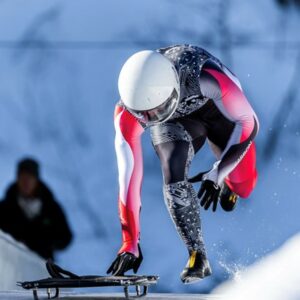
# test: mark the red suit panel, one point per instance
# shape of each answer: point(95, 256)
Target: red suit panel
point(130, 165)
point(238, 162)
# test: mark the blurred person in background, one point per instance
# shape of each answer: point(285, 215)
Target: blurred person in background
point(186, 96)
point(30, 213)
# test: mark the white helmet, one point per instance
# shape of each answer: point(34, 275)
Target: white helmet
point(149, 87)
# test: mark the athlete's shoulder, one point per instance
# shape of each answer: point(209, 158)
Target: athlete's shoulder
point(213, 75)
point(209, 86)
point(123, 115)
point(183, 52)
point(183, 48)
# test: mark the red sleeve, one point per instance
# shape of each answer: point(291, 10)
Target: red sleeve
point(130, 167)
point(220, 85)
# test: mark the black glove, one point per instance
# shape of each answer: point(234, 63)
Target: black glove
point(124, 262)
point(208, 193)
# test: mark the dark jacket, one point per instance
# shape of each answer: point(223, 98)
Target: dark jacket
point(43, 234)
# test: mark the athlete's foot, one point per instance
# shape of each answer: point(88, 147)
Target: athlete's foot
point(228, 199)
point(196, 268)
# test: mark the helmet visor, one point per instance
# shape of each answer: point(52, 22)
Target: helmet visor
point(159, 113)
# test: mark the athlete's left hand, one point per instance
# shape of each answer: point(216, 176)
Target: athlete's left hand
point(209, 192)
point(124, 262)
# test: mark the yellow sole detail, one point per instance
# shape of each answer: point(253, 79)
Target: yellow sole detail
point(192, 259)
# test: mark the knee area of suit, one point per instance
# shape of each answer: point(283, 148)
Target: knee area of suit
point(172, 172)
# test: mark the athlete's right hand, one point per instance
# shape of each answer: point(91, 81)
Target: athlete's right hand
point(124, 262)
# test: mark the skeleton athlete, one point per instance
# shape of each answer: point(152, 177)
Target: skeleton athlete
point(185, 96)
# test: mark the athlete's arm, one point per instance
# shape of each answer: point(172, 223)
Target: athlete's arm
point(130, 165)
point(220, 85)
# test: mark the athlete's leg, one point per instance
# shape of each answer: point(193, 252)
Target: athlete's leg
point(174, 147)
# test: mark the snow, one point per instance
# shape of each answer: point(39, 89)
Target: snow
point(273, 277)
point(18, 263)
point(57, 105)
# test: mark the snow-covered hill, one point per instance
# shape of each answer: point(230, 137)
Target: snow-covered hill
point(57, 101)
point(18, 263)
point(274, 277)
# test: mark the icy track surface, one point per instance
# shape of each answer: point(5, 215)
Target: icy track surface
point(27, 295)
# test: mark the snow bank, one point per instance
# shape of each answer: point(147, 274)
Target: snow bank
point(17, 263)
point(57, 105)
point(275, 277)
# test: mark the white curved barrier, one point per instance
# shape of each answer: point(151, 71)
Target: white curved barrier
point(18, 263)
point(274, 277)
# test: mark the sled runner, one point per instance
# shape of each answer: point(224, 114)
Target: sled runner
point(61, 278)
